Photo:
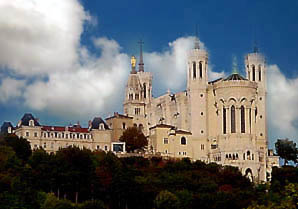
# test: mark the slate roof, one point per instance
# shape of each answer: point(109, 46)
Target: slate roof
point(5, 126)
point(26, 118)
point(96, 121)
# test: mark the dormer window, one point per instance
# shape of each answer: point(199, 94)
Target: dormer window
point(31, 122)
point(9, 130)
point(101, 126)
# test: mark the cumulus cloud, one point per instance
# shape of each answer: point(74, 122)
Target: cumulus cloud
point(11, 89)
point(38, 36)
point(170, 66)
point(282, 104)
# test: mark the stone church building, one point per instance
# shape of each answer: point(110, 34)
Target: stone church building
point(221, 121)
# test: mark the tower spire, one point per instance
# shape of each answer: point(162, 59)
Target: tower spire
point(141, 63)
point(197, 46)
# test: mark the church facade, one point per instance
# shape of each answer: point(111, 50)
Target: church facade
point(222, 121)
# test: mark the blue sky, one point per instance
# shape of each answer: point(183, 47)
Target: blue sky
point(69, 61)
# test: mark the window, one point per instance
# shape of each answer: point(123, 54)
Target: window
point(56, 134)
point(201, 69)
point(242, 119)
point(260, 73)
point(194, 69)
point(183, 140)
point(101, 126)
point(130, 96)
point(78, 135)
point(166, 151)
point(243, 156)
point(106, 148)
point(137, 111)
point(250, 119)
point(136, 96)
point(27, 134)
point(202, 147)
point(45, 145)
point(35, 146)
point(248, 155)
point(123, 126)
point(145, 90)
point(97, 147)
point(45, 135)
point(224, 118)
point(81, 136)
point(31, 122)
point(66, 136)
point(35, 134)
point(233, 122)
point(253, 73)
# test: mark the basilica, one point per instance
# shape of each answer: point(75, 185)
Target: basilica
point(221, 121)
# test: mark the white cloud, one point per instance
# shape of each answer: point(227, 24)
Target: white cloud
point(11, 89)
point(282, 104)
point(170, 67)
point(40, 36)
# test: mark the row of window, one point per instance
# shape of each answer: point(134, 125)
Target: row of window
point(66, 145)
point(254, 73)
point(179, 153)
point(182, 141)
point(233, 119)
point(246, 156)
point(61, 135)
point(194, 68)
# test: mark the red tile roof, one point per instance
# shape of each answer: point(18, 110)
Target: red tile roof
point(62, 128)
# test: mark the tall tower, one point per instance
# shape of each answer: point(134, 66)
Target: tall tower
point(138, 93)
point(197, 81)
point(256, 72)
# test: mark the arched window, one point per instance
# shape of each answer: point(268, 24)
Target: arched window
point(248, 155)
point(141, 127)
point(253, 73)
point(260, 73)
point(194, 69)
point(201, 69)
point(183, 140)
point(243, 156)
point(224, 120)
point(242, 119)
point(145, 90)
point(123, 126)
point(233, 120)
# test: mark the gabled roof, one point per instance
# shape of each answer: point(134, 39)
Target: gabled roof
point(5, 126)
point(97, 121)
point(26, 118)
point(235, 77)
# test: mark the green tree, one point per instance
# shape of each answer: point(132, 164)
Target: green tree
point(166, 200)
point(134, 139)
point(21, 146)
point(287, 150)
point(92, 204)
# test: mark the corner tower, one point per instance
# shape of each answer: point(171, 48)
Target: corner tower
point(138, 93)
point(256, 72)
point(197, 82)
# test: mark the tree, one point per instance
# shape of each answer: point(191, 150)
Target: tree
point(21, 146)
point(166, 200)
point(287, 150)
point(134, 139)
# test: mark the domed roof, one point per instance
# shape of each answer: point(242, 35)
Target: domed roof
point(235, 77)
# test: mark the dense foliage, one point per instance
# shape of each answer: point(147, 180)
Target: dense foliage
point(287, 150)
point(134, 139)
point(80, 179)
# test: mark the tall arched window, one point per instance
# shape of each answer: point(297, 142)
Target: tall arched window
point(253, 73)
point(242, 119)
point(224, 120)
point(201, 69)
point(183, 140)
point(145, 90)
point(194, 69)
point(260, 73)
point(233, 120)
